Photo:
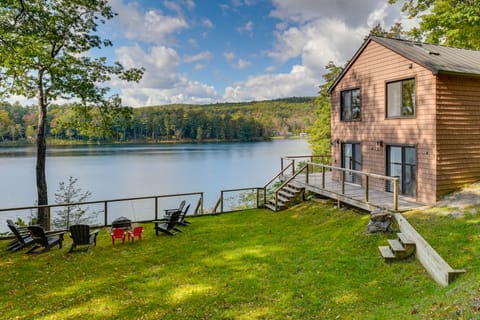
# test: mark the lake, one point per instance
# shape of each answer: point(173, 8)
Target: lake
point(124, 171)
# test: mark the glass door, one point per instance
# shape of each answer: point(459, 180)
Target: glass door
point(402, 163)
point(352, 159)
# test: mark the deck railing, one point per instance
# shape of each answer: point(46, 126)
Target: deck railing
point(334, 179)
point(260, 195)
point(106, 204)
point(293, 160)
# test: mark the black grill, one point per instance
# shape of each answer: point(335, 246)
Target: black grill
point(122, 222)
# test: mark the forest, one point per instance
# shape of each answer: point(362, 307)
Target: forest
point(249, 121)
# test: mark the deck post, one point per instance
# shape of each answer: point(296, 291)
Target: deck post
point(258, 197)
point(293, 167)
point(395, 194)
point(156, 208)
point(343, 182)
point(105, 213)
point(366, 188)
point(323, 177)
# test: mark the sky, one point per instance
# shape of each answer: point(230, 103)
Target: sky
point(209, 51)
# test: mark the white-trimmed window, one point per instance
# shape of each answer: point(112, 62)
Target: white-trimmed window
point(401, 98)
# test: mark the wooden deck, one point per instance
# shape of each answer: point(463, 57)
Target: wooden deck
point(353, 194)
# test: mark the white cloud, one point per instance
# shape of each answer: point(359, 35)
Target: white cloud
point(205, 55)
point(248, 27)
point(150, 26)
point(207, 23)
point(229, 56)
point(190, 4)
point(296, 83)
point(242, 64)
point(199, 66)
point(161, 82)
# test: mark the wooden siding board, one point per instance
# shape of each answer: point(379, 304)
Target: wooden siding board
point(458, 134)
point(371, 71)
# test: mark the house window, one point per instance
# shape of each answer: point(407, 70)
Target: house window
point(401, 98)
point(350, 105)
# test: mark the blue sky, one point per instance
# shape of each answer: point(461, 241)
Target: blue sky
point(208, 51)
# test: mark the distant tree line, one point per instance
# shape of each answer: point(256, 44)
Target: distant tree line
point(216, 122)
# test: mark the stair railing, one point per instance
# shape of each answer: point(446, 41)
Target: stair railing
point(280, 174)
point(304, 168)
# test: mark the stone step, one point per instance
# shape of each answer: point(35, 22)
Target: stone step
point(387, 253)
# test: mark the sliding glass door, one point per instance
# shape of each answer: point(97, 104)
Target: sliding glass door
point(402, 163)
point(352, 159)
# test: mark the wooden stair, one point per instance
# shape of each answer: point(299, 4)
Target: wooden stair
point(286, 195)
point(398, 249)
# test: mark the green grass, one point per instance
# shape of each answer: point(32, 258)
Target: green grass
point(309, 262)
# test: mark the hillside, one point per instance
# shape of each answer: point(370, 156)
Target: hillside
point(256, 120)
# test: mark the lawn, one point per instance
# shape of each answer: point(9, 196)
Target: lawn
point(310, 262)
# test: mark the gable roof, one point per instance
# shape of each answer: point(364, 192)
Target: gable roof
point(436, 58)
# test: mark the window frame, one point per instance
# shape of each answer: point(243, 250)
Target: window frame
point(401, 116)
point(342, 107)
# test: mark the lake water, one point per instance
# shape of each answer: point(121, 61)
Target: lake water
point(124, 171)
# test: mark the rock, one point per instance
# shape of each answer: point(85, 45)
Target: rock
point(380, 221)
point(456, 214)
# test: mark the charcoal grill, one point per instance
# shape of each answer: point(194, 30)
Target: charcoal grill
point(122, 222)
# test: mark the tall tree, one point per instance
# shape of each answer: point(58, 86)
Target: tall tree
point(44, 55)
point(449, 22)
point(319, 131)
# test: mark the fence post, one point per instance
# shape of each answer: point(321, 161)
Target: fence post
point(156, 208)
point(48, 222)
point(293, 167)
point(306, 179)
point(201, 199)
point(221, 201)
point(105, 214)
point(281, 164)
point(366, 188)
point(258, 198)
point(343, 182)
point(395, 194)
point(264, 196)
point(323, 177)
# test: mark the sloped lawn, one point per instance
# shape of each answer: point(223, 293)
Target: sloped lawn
point(310, 262)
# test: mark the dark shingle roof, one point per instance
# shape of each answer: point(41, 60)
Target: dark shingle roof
point(438, 59)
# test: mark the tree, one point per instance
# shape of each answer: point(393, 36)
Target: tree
point(74, 214)
point(319, 132)
point(44, 54)
point(448, 22)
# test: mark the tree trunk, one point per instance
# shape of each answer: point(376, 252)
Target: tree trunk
point(42, 215)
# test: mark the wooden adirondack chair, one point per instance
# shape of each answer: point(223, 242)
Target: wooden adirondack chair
point(182, 220)
point(45, 240)
point(80, 234)
point(169, 224)
point(22, 237)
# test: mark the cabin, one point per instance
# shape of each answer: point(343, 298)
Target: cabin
point(410, 110)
